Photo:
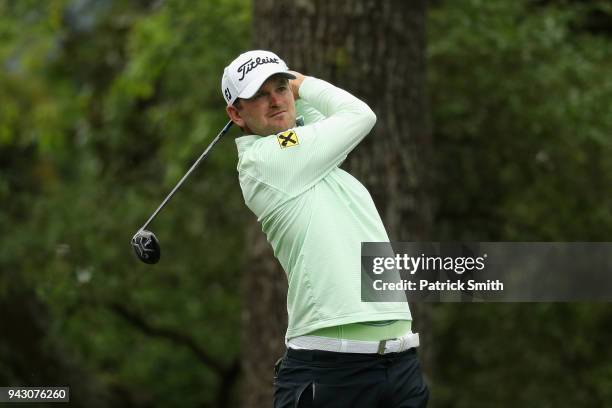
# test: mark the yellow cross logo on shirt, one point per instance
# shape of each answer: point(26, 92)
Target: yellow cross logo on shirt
point(287, 139)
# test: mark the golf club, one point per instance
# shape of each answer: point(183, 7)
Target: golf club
point(145, 243)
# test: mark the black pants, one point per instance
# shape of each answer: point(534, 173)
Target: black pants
point(312, 378)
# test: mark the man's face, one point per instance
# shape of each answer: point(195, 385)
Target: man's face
point(271, 110)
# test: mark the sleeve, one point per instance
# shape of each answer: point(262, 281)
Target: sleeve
point(294, 160)
point(308, 112)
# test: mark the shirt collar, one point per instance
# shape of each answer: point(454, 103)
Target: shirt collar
point(244, 142)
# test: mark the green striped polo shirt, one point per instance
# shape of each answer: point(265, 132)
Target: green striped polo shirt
point(314, 214)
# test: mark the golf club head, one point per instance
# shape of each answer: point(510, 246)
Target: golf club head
point(146, 246)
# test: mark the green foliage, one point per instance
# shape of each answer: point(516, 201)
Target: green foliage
point(521, 113)
point(520, 104)
point(525, 355)
point(104, 106)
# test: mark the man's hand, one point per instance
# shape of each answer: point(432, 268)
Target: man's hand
point(294, 84)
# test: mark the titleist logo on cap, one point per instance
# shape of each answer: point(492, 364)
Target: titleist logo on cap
point(261, 64)
point(251, 65)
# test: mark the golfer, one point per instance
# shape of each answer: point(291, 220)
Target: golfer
point(341, 352)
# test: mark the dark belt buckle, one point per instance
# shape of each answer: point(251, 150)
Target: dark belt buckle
point(381, 346)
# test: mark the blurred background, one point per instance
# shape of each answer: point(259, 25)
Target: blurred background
point(494, 124)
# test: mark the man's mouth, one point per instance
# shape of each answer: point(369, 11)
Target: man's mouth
point(277, 114)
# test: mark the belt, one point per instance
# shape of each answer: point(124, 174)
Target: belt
point(405, 342)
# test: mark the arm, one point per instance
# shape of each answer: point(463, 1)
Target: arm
point(302, 107)
point(322, 145)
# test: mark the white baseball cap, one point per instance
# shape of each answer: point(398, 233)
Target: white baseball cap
point(245, 75)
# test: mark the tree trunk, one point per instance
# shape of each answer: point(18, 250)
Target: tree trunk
point(264, 319)
point(375, 50)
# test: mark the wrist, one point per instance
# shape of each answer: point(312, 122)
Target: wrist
point(296, 83)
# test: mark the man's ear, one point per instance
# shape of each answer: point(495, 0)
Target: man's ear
point(234, 115)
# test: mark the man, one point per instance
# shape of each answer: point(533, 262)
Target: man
point(341, 352)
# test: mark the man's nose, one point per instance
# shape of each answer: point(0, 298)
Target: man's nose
point(274, 98)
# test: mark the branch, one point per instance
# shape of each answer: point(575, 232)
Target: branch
point(178, 338)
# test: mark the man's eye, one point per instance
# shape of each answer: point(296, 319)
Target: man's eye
point(282, 88)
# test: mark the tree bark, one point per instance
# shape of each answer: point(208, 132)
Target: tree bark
point(264, 319)
point(375, 50)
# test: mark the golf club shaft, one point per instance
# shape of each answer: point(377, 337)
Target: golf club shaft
point(178, 185)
